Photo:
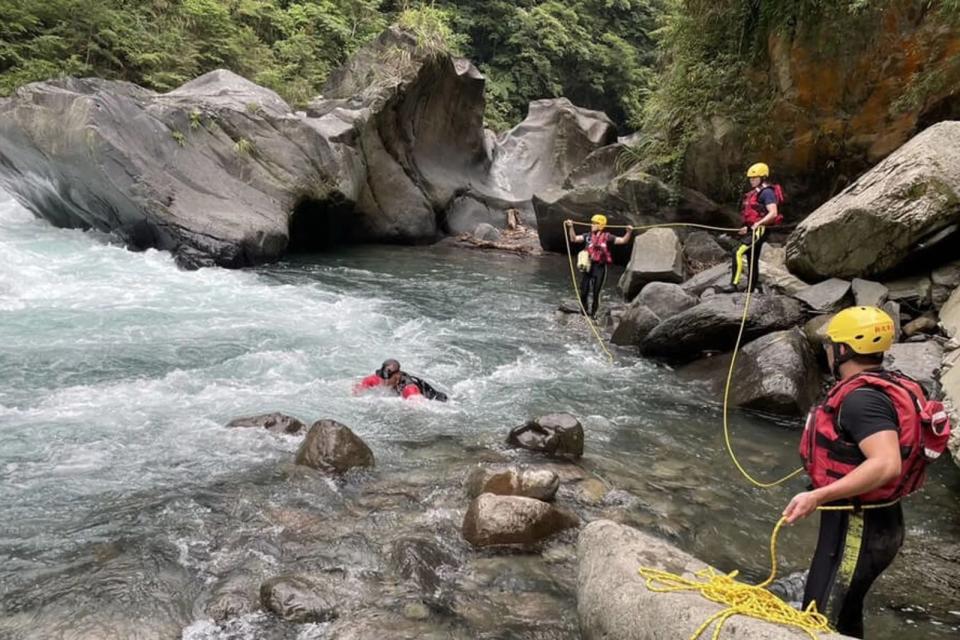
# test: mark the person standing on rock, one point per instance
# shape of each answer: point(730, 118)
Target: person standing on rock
point(864, 448)
point(598, 249)
point(759, 209)
point(407, 386)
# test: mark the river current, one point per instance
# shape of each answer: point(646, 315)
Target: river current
point(125, 504)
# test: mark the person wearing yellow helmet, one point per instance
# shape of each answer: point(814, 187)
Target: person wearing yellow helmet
point(759, 209)
point(860, 447)
point(598, 242)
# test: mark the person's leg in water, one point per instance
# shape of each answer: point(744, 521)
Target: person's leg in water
point(599, 271)
point(852, 551)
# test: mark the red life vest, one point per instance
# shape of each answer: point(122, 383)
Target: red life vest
point(753, 212)
point(598, 249)
point(924, 429)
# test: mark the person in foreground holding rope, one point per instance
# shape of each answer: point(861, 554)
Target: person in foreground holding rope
point(598, 251)
point(864, 448)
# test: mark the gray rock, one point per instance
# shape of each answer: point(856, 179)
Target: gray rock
point(713, 325)
point(828, 296)
point(815, 329)
point(635, 323)
point(778, 373)
point(701, 251)
point(774, 273)
point(614, 603)
point(919, 360)
point(893, 310)
point(299, 599)
point(233, 597)
point(945, 279)
point(867, 293)
point(950, 315)
point(950, 387)
point(927, 323)
point(275, 422)
point(657, 256)
point(915, 291)
point(555, 434)
point(713, 277)
point(424, 563)
point(493, 520)
point(377, 624)
point(665, 299)
point(887, 214)
point(331, 446)
point(486, 232)
point(541, 484)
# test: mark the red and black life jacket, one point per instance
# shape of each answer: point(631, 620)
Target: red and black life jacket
point(598, 249)
point(752, 211)
point(924, 428)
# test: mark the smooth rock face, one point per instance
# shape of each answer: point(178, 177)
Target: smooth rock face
point(299, 599)
point(882, 218)
point(331, 446)
point(657, 256)
point(828, 296)
point(275, 422)
point(779, 374)
point(635, 323)
point(493, 520)
point(665, 299)
point(614, 603)
point(556, 434)
point(867, 293)
point(919, 360)
point(541, 484)
point(950, 314)
point(713, 325)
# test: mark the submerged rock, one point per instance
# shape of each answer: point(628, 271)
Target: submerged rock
point(493, 520)
point(887, 214)
point(541, 484)
point(275, 422)
point(331, 446)
point(557, 434)
point(299, 599)
point(614, 603)
point(424, 563)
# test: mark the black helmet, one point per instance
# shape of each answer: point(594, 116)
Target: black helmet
point(388, 368)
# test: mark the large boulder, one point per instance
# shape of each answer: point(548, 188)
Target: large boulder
point(713, 325)
point(614, 602)
point(867, 293)
point(493, 520)
point(665, 299)
point(774, 273)
point(713, 277)
point(950, 387)
point(331, 446)
point(701, 251)
point(557, 434)
point(945, 279)
point(541, 484)
point(275, 422)
point(919, 360)
point(657, 256)
point(828, 296)
point(950, 314)
point(886, 215)
point(632, 197)
point(299, 599)
point(634, 325)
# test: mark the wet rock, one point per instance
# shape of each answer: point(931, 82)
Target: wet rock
point(637, 321)
point(233, 597)
point(893, 310)
point(887, 214)
point(828, 296)
point(541, 484)
point(711, 278)
point(867, 293)
point(424, 563)
point(950, 314)
point(382, 625)
point(915, 291)
point(927, 323)
point(614, 603)
point(919, 360)
point(299, 599)
point(486, 232)
point(590, 491)
point(713, 325)
point(657, 256)
point(331, 446)
point(275, 422)
point(665, 299)
point(493, 520)
point(815, 329)
point(556, 434)
point(701, 251)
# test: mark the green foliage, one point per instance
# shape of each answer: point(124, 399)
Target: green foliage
point(179, 138)
point(243, 147)
point(432, 27)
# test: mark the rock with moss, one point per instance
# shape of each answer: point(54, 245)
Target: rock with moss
point(891, 212)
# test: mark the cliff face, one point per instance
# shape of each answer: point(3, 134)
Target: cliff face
point(842, 96)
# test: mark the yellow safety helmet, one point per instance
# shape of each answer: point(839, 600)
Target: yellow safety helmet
point(599, 219)
point(758, 170)
point(865, 330)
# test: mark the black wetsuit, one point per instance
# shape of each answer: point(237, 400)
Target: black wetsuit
point(854, 548)
point(593, 281)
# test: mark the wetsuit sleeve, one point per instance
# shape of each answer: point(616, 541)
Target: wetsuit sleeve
point(865, 412)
